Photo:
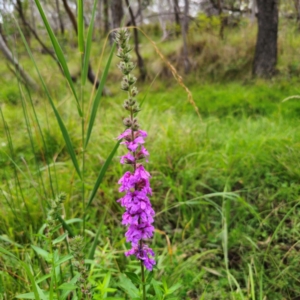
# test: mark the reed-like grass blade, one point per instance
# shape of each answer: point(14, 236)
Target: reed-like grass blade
point(57, 115)
point(102, 173)
point(95, 242)
point(98, 97)
point(87, 51)
point(36, 291)
point(80, 26)
point(59, 53)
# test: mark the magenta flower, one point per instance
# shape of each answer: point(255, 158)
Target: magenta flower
point(127, 159)
point(139, 214)
point(142, 253)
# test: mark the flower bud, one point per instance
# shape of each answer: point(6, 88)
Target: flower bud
point(135, 109)
point(131, 101)
point(124, 85)
point(135, 126)
point(131, 79)
point(134, 91)
point(127, 122)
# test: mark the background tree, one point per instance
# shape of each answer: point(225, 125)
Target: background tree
point(13, 60)
point(140, 61)
point(184, 29)
point(117, 13)
point(265, 57)
point(60, 19)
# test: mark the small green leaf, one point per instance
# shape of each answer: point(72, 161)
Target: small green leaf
point(133, 277)
point(41, 279)
point(66, 226)
point(128, 287)
point(6, 252)
point(60, 238)
point(172, 289)
point(45, 254)
point(63, 259)
point(38, 293)
point(67, 286)
point(149, 278)
point(157, 288)
point(26, 296)
point(65, 293)
point(75, 220)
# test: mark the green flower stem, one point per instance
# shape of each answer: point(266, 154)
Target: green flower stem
point(143, 280)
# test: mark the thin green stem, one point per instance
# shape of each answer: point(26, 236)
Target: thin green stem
point(53, 264)
point(83, 152)
point(143, 281)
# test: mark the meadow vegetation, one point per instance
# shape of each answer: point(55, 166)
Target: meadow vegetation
point(226, 185)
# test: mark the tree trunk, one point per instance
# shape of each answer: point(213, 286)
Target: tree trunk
point(222, 25)
point(61, 23)
point(140, 61)
point(20, 10)
point(32, 6)
point(297, 8)
point(177, 18)
point(265, 58)
point(10, 57)
point(184, 29)
point(98, 20)
point(117, 13)
point(105, 17)
point(140, 12)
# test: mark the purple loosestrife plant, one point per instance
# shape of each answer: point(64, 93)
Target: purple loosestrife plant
point(138, 216)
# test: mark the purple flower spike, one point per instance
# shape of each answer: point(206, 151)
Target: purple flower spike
point(139, 214)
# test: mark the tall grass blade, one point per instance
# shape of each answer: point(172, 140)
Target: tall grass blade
point(33, 283)
point(59, 53)
point(251, 282)
point(57, 115)
point(45, 157)
point(80, 26)
point(87, 51)
point(95, 242)
point(66, 226)
point(102, 173)
point(98, 97)
point(16, 167)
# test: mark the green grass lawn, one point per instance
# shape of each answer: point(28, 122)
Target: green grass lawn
point(226, 187)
